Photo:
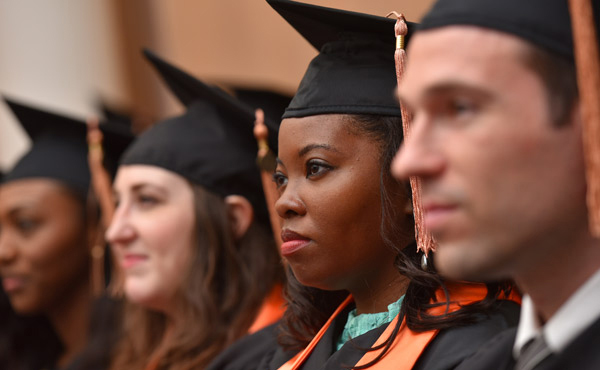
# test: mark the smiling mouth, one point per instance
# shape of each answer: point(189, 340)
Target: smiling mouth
point(11, 284)
point(292, 242)
point(132, 260)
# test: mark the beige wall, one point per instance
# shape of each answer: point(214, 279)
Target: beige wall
point(246, 41)
point(58, 54)
point(63, 54)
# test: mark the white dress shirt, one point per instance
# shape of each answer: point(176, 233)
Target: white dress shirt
point(580, 311)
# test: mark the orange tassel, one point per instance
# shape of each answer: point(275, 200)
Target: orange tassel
point(264, 156)
point(588, 80)
point(425, 240)
point(101, 186)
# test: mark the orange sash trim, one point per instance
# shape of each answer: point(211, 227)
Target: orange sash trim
point(272, 309)
point(408, 345)
point(299, 359)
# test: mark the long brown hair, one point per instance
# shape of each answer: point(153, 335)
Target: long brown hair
point(222, 293)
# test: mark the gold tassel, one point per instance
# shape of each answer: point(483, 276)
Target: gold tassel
point(266, 162)
point(588, 80)
point(425, 241)
point(101, 186)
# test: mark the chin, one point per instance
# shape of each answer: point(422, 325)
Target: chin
point(455, 262)
point(24, 306)
point(137, 292)
point(149, 297)
point(462, 262)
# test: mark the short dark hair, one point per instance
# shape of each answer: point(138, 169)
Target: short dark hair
point(558, 75)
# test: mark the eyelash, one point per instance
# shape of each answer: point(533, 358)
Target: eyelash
point(315, 163)
point(147, 200)
point(279, 179)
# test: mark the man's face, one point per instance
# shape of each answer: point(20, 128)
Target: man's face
point(502, 184)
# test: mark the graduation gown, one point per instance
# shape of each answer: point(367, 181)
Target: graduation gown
point(247, 352)
point(446, 351)
point(582, 354)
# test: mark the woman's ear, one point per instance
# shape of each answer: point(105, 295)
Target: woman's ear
point(240, 214)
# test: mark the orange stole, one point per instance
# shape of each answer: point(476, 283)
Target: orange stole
point(408, 345)
point(271, 310)
point(298, 360)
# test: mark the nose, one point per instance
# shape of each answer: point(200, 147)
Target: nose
point(418, 155)
point(289, 203)
point(120, 231)
point(8, 251)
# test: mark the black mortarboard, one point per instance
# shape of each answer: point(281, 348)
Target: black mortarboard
point(354, 72)
point(271, 102)
point(545, 23)
point(59, 147)
point(211, 144)
point(115, 115)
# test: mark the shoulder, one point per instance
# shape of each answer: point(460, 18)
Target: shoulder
point(452, 347)
point(248, 351)
point(583, 352)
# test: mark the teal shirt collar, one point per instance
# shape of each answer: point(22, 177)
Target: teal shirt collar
point(357, 325)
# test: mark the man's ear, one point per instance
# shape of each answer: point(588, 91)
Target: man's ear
point(240, 214)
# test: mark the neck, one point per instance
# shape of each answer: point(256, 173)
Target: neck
point(71, 320)
point(552, 277)
point(375, 294)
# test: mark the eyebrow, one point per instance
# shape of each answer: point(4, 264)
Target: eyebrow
point(18, 209)
point(138, 186)
point(310, 147)
point(446, 87)
point(454, 86)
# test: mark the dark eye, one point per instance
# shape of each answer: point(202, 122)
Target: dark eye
point(147, 201)
point(279, 179)
point(461, 106)
point(316, 168)
point(26, 225)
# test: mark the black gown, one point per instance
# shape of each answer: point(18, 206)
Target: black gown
point(581, 354)
point(447, 350)
point(246, 352)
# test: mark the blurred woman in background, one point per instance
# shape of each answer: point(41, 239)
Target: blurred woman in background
point(191, 233)
point(48, 227)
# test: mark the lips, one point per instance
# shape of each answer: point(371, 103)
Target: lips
point(437, 214)
point(292, 242)
point(12, 283)
point(130, 260)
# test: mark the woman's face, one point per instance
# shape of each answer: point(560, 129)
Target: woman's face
point(328, 175)
point(44, 256)
point(152, 233)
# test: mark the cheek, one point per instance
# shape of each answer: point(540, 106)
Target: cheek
point(58, 260)
point(169, 242)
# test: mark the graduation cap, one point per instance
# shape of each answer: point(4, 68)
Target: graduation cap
point(59, 147)
point(211, 144)
point(354, 71)
point(545, 23)
point(271, 102)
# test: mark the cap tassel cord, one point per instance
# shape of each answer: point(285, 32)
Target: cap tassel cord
point(425, 240)
point(102, 188)
point(269, 187)
point(588, 80)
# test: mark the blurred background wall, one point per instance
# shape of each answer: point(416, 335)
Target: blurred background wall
point(71, 55)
